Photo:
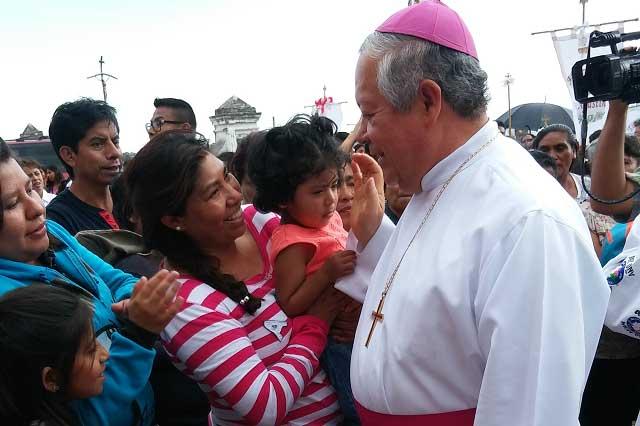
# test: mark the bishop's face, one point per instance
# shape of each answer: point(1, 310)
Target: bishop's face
point(396, 138)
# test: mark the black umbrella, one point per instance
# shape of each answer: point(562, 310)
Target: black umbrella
point(536, 115)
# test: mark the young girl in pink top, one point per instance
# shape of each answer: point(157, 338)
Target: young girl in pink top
point(296, 171)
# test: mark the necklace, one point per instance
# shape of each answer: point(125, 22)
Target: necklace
point(377, 315)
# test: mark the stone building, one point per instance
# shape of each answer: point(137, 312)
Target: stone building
point(232, 121)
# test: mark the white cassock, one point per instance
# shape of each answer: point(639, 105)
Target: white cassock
point(498, 304)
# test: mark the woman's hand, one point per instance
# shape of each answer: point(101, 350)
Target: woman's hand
point(153, 302)
point(328, 305)
point(368, 199)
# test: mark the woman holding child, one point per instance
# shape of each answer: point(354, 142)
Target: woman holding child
point(256, 364)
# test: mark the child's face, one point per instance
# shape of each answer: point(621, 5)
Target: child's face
point(314, 201)
point(87, 375)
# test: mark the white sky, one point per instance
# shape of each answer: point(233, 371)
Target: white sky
point(275, 55)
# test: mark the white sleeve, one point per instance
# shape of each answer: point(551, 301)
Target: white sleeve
point(540, 306)
point(623, 314)
point(356, 284)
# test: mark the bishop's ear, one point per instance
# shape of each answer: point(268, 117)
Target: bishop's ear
point(430, 95)
point(50, 379)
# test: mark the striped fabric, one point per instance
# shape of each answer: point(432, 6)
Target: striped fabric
point(256, 369)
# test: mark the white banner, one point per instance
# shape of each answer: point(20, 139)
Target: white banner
point(331, 110)
point(570, 49)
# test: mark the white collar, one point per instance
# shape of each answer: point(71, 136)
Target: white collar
point(443, 170)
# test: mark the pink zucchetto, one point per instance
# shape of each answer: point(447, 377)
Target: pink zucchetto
point(433, 21)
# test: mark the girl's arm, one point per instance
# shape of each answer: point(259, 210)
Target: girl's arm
point(214, 349)
point(297, 291)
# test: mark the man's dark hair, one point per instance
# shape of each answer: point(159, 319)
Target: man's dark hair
point(500, 123)
point(636, 123)
point(545, 160)
point(183, 110)
point(72, 120)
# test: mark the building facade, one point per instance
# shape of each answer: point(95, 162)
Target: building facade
point(232, 121)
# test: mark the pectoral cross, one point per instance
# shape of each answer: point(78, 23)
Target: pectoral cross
point(377, 315)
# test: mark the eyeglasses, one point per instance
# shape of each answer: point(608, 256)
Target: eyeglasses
point(190, 135)
point(157, 123)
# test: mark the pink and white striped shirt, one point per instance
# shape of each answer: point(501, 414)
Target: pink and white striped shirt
point(256, 369)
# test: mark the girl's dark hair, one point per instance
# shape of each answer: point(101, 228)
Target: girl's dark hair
point(161, 178)
point(571, 138)
point(58, 178)
point(289, 155)
point(5, 155)
point(40, 326)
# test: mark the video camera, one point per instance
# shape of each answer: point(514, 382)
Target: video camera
point(606, 77)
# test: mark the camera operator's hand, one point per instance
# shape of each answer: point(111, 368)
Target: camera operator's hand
point(608, 178)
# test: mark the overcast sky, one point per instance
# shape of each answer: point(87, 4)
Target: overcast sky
point(275, 55)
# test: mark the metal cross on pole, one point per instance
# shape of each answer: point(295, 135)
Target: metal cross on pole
point(102, 75)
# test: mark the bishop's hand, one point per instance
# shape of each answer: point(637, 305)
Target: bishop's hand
point(368, 199)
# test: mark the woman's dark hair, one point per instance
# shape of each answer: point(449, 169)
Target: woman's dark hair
point(40, 326)
point(571, 138)
point(122, 209)
point(238, 164)
point(160, 180)
point(5, 155)
point(289, 155)
point(57, 179)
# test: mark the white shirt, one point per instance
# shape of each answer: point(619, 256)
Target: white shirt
point(47, 197)
point(498, 304)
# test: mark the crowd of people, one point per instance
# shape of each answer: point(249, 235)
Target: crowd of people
point(423, 269)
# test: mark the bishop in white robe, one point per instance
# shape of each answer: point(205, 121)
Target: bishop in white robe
point(485, 304)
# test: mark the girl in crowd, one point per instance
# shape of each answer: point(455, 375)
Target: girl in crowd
point(296, 171)
point(55, 182)
point(256, 365)
point(33, 250)
point(49, 355)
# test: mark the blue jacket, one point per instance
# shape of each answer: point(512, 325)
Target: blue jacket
point(127, 398)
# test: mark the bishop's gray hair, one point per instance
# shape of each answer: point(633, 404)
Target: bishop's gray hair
point(404, 61)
